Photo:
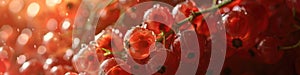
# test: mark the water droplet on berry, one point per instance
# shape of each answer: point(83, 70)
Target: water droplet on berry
point(52, 24)
point(48, 36)
point(33, 9)
point(3, 2)
point(69, 53)
point(51, 3)
point(86, 60)
point(66, 24)
point(15, 6)
point(23, 39)
point(21, 59)
point(24, 66)
point(41, 50)
point(5, 32)
point(75, 43)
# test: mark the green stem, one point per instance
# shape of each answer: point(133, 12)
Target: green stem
point(107, 51)
point(191, 17)
point(290, 47)
point(296, 19)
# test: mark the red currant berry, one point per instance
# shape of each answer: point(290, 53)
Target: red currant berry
point(109, 63)
point(138, 42)
point(117, 70)
point(170, 65)
point(108, 16)
point(158, 14)
point(242, 26)
point(281, 21)
point(86, 60)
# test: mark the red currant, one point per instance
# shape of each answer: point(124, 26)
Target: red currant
point(157, 17)
point(108, 16)
point(117, 70)
point(281, 21)
point(242, 25)
point(138, 42)
point(107, 64)
point(86, 60)
point(170, 65)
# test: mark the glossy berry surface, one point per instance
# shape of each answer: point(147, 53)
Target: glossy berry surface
point(139, 41)
point(149, 37)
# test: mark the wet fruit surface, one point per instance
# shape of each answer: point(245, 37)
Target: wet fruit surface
point(156, 37)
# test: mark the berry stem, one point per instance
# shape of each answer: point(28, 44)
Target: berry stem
point(107, 52)
point(296, 26)
point(289, 47)
point(191, 17)
point(296, 19)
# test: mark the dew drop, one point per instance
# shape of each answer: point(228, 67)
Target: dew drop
point(3, 2)
point(23, 39)
point(66, 24)
point(33, 9)
point(15, 6)
point(47, 63)
point(53, 69)
point(41, 50)
point(24, 66)
point(21, 59)
point(48, 36)
point(51, 3)
point(76, 42)
point(5, 32)
point(52, 24)
point(27, 31)
point(68, 54)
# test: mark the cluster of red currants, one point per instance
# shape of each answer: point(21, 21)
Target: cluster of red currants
point(258, 33)
point(160, 37)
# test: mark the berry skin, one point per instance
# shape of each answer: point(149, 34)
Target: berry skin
point(108, 16)
point(158, 18)
point(268, 50)
point(138, 42)
point(107, 64)
point(118, 70)
point(281, 21)
point(3, 67)
point(242, 26)
point(169, 66)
